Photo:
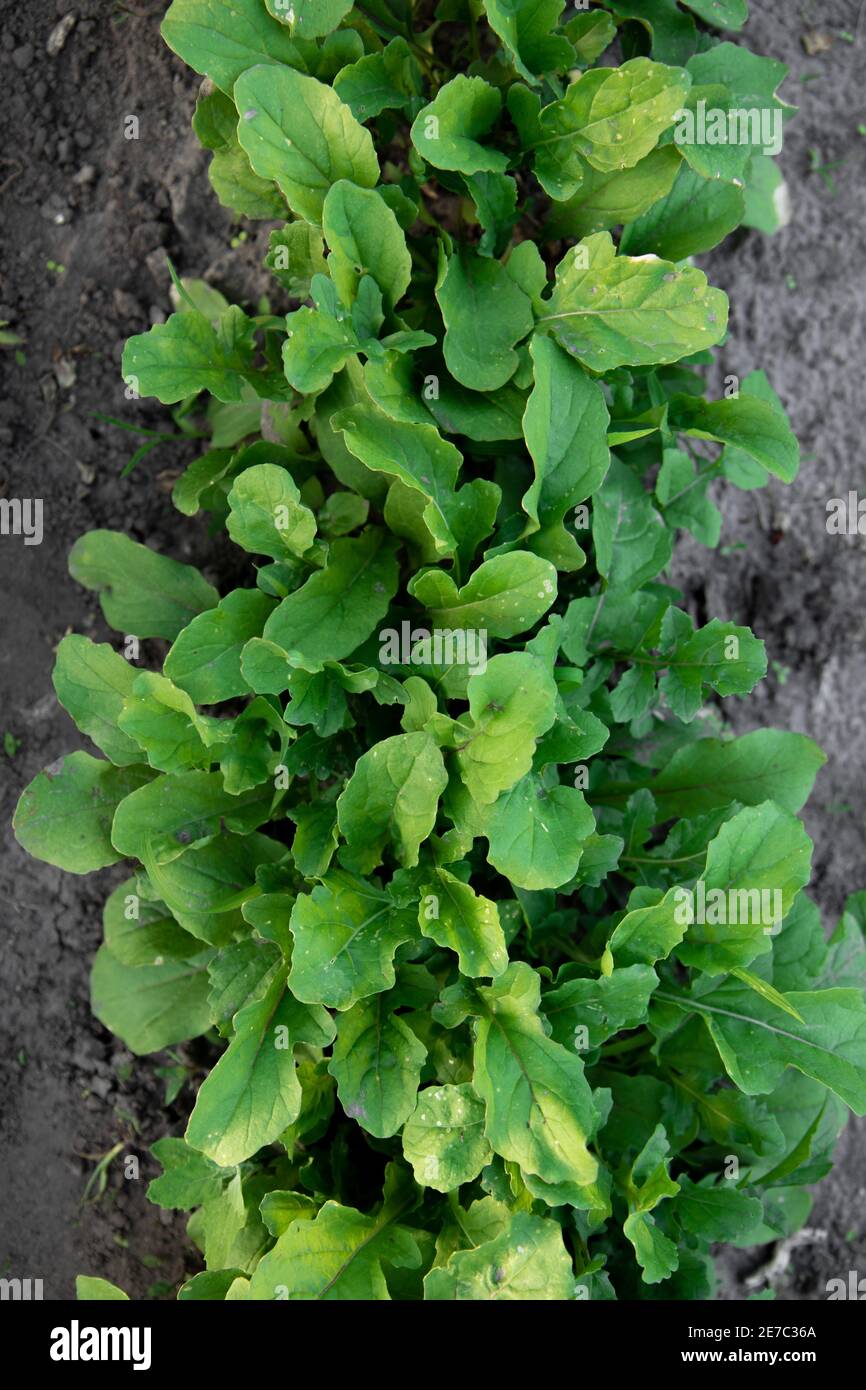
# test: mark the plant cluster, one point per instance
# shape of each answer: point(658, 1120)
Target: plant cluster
point(475, 930)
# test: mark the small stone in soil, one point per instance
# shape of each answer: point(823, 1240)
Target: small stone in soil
point(59, 34)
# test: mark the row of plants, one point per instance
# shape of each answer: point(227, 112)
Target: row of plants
point(437, 831)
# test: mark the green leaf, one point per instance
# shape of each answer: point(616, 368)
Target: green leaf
point(768, 203)
point(143, 933)
point(280, 1209)
point(319, 343)
point(448, 132)
point(747, 423)
point(510, 706)
point(759, 860)
point(529, 1261)
point(205, 887)
point(590, 34)
point(89, 1288)
point(721, 14)
point(295, 255)
point(483, 417)
point(524, 26)
point(649, 1183)
point(565, 427)
point(504, 596)
point(727, 658)
point(342, 512)
point(299, 133)
point(757, 1041)
point(241, 972)
point(486, 313)
point(315, 839)
point(692, 218)
point(205, 658)
point(415, 454)
point(765, 764)
point(612, 117)
point(605, 200)
point(751, 79)
point(266, 514)
point(222, 40)
point(672, 34)
point(392, 796)
point(252, 1094)
point(172, 814)
point(754, 868)
point(92, 682)
point(443, 1138)
point(539, 1107)
point(346, 932)
point(140, 591)
point(365, 238)
point(338, 1256)
point(309, 19)
point(150, 1007)
point(585, 1012)
point(188, 1178)
point(631, 541)
point(716, 1213)
point(163, 720)
point(64, 817)
point(339, 607)
point(237, 187)
point(537, 833)
point(655, 1253)
point(389, 80)
point(190, 353)
point(453, 915)
point(683, 496)
point(612, 311)
point(377, 1063)
point(495, 199)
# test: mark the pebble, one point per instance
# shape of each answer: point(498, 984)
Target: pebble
point(127, 305)
point(64, 371)
point(86, 174)
point(22, 57)
point(59, 34)
point(55, 210)
point(158, 267)
point(147, 236)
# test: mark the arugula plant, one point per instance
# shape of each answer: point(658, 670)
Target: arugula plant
point(430, 903)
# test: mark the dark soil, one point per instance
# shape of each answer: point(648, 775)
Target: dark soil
point(80, 196)
point(797, 304)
